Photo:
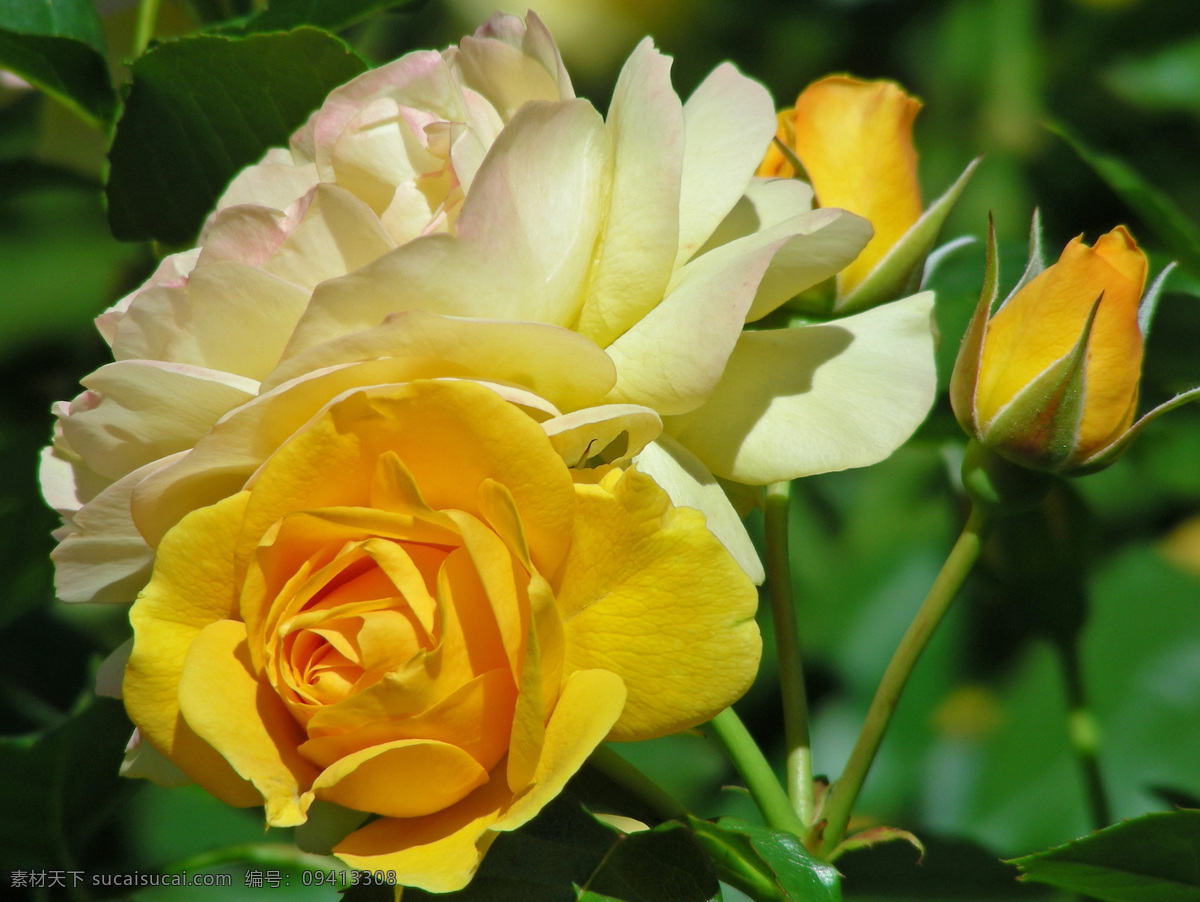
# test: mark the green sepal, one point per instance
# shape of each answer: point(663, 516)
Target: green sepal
point(899, 273)
point(940, 254)
point(966, 366)
point(1149, 303)
point(1036, 263)
point(873, 836)
point(1108, 455)
point(792, 160)
point(1039, 427)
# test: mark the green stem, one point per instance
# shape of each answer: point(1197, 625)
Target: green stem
point(787, 649)
point(1084, 735)
point(636, 783)
point(147, 18)
point(756, 772)
point(958, 564)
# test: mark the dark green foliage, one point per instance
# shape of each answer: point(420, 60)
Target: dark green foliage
point(202, 108)
point(58, 46)
point(1153, 858)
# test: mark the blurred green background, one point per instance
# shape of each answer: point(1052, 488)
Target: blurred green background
point(978, 762)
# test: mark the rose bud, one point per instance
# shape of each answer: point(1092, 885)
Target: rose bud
point(853, 141)
point(1050, 381)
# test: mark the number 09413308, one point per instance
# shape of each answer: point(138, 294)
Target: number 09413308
point(340, 877)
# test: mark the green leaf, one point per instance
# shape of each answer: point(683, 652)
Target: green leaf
point(1168, 79)
point(75, 19)
point(567, 855)
point(58, 46)
point(280, 15)
point(765, 864)
point(202, 108)
point(60, 786)
point(952, 870)
point(1174, 228)
point(660, 865)
point(1147, 859)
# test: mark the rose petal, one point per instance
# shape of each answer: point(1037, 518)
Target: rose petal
point(812, 399)
point(104, 558)
point(229, 454)
point(149, 410)
point(651, 595)
point(441, 852)
point(194, 586)
point(525, 240)
point(766, 202)
point(637, 251)
point(728, 124)
point(337, 234)
point(229, 317)
point(614, 432)
point(239, 715)
point(673, 358)
point(560, 365)
point(688, 483)
point(510, 63)
point(476, 717)
point(405, 778)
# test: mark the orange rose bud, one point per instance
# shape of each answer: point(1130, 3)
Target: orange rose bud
point(854, 140)
point(1050, 381)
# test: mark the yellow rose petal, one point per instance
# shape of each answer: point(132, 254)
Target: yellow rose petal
point(241, 717)
point(855, 141)
point(193, 587)
point(440, 852)
point(528, 732)
point(476, 717)
point(469, 644)
point(406, 778)
point(588, 706)
point(450, 435)
point(650, 594)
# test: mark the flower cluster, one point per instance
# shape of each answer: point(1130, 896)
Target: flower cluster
point(412, 462)
point(461, 215)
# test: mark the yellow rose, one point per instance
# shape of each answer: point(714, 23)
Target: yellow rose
point(417, 611)
point(1050, 381)
point(854, 141)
